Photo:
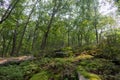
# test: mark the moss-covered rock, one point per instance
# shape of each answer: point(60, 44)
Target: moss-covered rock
point(90, 76)
point(87, 75)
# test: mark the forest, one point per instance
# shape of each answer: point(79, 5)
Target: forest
point(59, 39)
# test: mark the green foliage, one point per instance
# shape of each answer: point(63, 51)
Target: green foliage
point(68, 51)
point(29, 68)
point(86, 74)
point(62, 68)
point(110, 50)
point(103, 67)
point(41, 76)
point(72, 24)
point(11, 72)
point(58, 68)
point(91, 76)
point(23, 71)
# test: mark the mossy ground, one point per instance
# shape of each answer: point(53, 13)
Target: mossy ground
point(91, 66)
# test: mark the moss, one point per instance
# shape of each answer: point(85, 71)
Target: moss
point(40, 76)
point(67, 48)
point(80, 57)
point(87, 75)
point(90, 76)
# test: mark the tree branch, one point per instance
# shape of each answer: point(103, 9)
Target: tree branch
point(8, 11)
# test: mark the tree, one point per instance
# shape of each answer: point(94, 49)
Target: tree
point(56, 7)
point(9, 10)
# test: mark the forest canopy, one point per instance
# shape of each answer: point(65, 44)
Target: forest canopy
point(35, 25)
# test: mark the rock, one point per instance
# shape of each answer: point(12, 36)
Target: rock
point(88, 76)
point(81, 77)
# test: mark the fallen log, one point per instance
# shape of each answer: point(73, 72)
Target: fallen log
point(4, 61)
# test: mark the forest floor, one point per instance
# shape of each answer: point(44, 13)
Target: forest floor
point(88, 63)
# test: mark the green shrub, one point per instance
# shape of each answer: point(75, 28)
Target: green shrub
point(86, 74)
point(29, 68)
point(68, 51)
point(41, 76)
point(103, 67)
point(11, 72)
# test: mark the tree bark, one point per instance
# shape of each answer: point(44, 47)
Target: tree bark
point(24, 29)
point(45, 36)
point(4, 61)
point(3, 46)
point(14, 39)
point(95, 25)
point(44, 40)
point(34, 34)
point(13, 51)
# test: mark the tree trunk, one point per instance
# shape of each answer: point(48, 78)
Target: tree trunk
point(34, 34)
point(68, 36)
point(24, 29)
point(45, 36)
point(3, 46)
point(95, 25)
point(44, 40)
point(79, 39)
point(96, 33)
point(14, 40)
point(8, 47)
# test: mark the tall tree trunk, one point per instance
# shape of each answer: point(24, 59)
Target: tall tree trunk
point(44, 40)
point(45, 36)
point(79, 39)
point(14, 39)
point(7, 48)
point(3, 46)
point(24, 29)
point(13, 51)
point(95, 25)
point(34, 34)
point(68, 36)
point(34, 38)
